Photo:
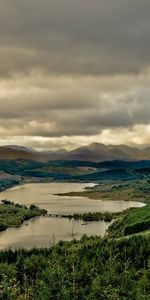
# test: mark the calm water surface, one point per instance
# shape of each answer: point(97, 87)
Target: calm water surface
point(38, 232)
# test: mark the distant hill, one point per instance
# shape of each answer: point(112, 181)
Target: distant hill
point(18, 152)
point(95, 152)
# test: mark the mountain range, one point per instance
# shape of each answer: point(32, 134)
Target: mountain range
point(94, 152)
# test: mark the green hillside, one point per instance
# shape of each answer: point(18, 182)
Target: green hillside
point(137, 220)
point(90, 269)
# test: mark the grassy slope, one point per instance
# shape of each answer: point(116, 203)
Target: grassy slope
point(137, 220)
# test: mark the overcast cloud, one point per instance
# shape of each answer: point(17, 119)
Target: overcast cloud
point(74, 72)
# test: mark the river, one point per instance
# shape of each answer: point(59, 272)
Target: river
point(39, 232)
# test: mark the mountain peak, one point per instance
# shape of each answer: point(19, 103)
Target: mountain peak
point(95, 152)
point(19, 148)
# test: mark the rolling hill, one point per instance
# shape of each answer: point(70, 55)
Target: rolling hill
point(95, 152)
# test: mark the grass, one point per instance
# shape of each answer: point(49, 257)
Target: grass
point(135, 221)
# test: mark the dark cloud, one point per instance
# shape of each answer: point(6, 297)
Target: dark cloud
point(74, 69)
point(67, 36)
point(71, 108)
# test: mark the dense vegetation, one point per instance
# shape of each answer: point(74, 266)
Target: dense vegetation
point(77, 170)
point(111, 268)
point(137, 220)
point(91, 269)
point(15, 214)
point(98, 216)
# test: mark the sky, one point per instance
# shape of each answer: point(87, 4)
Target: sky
point(73, 72)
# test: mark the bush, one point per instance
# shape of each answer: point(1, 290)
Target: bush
point(33, 207)
point(3, 226)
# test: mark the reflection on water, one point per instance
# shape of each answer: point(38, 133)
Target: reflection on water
point(42, 194)
point(38, 232)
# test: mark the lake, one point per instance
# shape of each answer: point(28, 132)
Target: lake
point(39, 232)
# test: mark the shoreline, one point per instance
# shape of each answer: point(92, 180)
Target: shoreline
point(87, 216)
point(13, 215)
point(28, 181)
point(98, 190)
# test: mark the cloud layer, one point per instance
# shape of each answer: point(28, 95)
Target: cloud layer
point(74, 72)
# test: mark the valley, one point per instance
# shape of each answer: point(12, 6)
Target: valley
point(74, 229)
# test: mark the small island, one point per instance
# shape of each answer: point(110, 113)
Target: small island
point(95, 216)
point(13, 215)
